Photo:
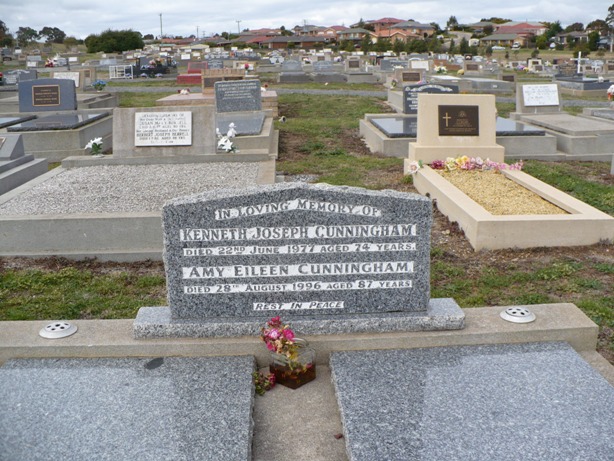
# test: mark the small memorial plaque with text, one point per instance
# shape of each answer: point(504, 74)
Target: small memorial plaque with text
point(540, 95)
point(45, 95)
point(459, 121)
point(163, 129)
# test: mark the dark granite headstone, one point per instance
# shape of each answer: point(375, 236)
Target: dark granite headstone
point(508, 78)
point(410, 94)
point(353, 64)
point(245, 123)
point(472, 67)
point(47, 94)
point(459, 120)
point(308, 250)
point(238, 96)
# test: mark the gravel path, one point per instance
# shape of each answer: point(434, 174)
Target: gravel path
point(122, 189)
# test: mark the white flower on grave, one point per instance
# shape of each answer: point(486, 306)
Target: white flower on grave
point(226, 144)
point(413, 167)
point(231, 131)
point(95, 145)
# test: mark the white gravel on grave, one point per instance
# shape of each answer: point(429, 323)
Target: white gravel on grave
point(126, 188)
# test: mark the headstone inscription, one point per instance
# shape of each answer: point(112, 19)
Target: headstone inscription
point(323, 66)
point(238, 96)
point(215, 64)
point(298, 248)
point(163, 128)
point(411, 92)
point(291, 65)
point(540, 98)
point(47, 95)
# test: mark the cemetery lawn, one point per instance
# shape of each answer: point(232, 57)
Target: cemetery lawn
point(320, 140)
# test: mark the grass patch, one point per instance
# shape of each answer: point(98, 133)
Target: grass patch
point(131, 99)
point(70, 293)
point(571, 177)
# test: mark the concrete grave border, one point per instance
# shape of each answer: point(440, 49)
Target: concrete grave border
point(584, 225)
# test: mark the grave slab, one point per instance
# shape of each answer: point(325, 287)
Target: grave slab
point(532, 401)
point(246, 124)
point(131, 408)
point(571, 125)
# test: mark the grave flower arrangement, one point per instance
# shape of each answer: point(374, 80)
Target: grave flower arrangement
point(293, 362)
point(99, 85)
point(95, 145)
point(472, 164)
point(414, 166)
point(441, 70)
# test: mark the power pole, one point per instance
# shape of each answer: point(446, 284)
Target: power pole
point(161, 34)
point(197, 37)
point(239, 27)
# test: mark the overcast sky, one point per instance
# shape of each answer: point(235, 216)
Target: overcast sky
point(184, 17)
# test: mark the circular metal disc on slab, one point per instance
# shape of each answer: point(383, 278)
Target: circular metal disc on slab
point(518, 315)
point(56, 330)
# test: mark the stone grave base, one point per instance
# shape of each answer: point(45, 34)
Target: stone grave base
point(105, 236)
point(14, 173)
point(516, 146)
point(441, 314)
point(58, 144)
point(539, 400)
point(293, 77)
point(584, 225)
point(269, 100)
point(361, 77)
point(578, 137)
point(128, 408)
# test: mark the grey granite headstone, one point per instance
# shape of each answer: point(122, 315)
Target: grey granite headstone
point(238, 96)
point(146, 409)
point(291, 66)
point(390, 64)
point(30, 74)
point(305, 249)
point(411, 92)
point(323, 66)
point(530, 402)
point(331, 259)
point(215, 64)
point(11, 147)
point(47, 94)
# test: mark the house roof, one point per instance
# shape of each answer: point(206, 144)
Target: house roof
point(412, 25)
point(294, 39)
point(355, 30)
point(385, 21)
point(500, 37)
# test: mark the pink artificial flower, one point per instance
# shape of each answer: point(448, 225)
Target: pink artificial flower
point(289, 334)
point(273, 334)
point(270, 346)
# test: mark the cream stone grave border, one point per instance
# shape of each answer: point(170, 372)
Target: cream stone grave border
point(584, 225)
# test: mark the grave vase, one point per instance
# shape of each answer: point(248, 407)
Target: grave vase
point(293, 373)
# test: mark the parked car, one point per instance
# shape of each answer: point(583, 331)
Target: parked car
point(516, 46)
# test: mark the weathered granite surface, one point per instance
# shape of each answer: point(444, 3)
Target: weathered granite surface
point(300, 248)
point(169, 409)
point(441, 314)
point(529, 402)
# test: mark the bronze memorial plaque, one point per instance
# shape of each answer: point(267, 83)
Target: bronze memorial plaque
point(45, 95)
point(459, 121)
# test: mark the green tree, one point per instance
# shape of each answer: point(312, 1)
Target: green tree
point(593, 40)
point(398, 46)
point(26, 36)
point(575, 27)
point(452, 23)
point(452, 48)
point(383, 44)
point(366, 44)
point(541, 42)
point(553, 29)
point(117, 41)
point(464, 46)
point(70, 42)
point(598, 25)
point(496, 20)
point(285, 32)
point(53, 34)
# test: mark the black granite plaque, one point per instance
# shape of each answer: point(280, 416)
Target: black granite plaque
point(508, 78)
point(354, 64)
point(459, 121)
point(46, 95)
point(410, 94)
point(472, 67)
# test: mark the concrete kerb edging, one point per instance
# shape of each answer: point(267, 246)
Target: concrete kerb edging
point(114, 338)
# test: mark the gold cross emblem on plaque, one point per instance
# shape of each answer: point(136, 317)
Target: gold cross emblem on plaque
point(447, 119)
